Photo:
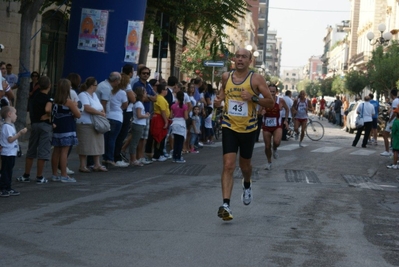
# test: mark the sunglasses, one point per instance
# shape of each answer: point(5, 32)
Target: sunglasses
point(145, 73)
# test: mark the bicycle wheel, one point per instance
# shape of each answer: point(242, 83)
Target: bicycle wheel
point(314, 130)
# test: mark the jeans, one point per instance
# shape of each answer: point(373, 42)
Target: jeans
point(110, 139)
point(338, 118)
point(158, 148)
point(127, 116)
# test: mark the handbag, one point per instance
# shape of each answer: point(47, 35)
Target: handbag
point(100, 123)
point(359, 122)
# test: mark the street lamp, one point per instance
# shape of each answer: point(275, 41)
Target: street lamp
point(384, 38)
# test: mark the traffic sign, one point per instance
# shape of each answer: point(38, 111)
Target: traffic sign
point(210, 63)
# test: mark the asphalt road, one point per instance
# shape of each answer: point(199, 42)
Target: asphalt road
point(326, 204)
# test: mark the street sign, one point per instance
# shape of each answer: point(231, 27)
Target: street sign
point(210, 63)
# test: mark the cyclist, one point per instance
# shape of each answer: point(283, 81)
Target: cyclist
point(273, 126)
point(300, 110)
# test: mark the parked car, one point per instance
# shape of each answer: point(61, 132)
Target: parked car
point(351, 117)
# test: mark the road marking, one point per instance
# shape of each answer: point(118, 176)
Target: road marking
point(327, 149)
point(363, 152)
point(290, 147)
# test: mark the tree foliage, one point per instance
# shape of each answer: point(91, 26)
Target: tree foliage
point(383, 68)
point(326, 87)
point(355, 82)
point(338, 85)
point(193, 63)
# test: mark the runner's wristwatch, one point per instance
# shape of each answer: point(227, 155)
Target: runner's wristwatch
point(255, 99)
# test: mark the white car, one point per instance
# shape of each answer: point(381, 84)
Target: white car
point(351, 117)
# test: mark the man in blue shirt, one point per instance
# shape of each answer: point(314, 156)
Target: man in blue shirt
point(374, 132)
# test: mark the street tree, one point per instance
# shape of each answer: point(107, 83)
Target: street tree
point(383, 68)
point(355, 82)
point(326, 87)
point(29, 9)
point(338, 86)
point(194, 15)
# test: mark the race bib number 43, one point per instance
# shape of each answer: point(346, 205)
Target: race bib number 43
point(238, 108)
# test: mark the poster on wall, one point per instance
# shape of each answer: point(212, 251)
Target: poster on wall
point(133, 41)
point(93, 30)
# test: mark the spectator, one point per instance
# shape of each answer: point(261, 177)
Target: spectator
point(65, 110)
point(160, 123)
point(91, 142)
point(9, 144)
point(41, 129)
point(392, 117)
point(395, 140)
point(127, 115)
point(367, 111)
point(117, 103)
point(33, 87)
point(287, 117)
point(337, 109)
point(138, 125)
point(374, 131)
point(144, 73)
point(11, 78)
point(178, 127)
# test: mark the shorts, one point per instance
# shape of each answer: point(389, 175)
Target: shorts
point(232, 140)
point(146, 129)
point(301, 120)
point(375, 123)
point(40, 141)
point(271, 129)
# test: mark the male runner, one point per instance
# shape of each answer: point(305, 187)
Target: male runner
point(240, 90)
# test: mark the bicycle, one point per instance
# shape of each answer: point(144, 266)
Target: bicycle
point(314, 130)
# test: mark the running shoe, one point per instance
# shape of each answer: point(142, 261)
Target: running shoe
point(13, 192)
point(393, 166)
point(300, 144)
point(225, 213)
point(41, 180)
point(145, 161)
point(296, 136)
point(268, 166)
point(246, 196)
point(385, 154)
point(56, 178)
point(23, 179)
point(121, 164)
point(275, 154)
point(68, 179)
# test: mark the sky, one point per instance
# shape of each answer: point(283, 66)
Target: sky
point(301, 31)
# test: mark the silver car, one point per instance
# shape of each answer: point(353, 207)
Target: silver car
point(351, 117)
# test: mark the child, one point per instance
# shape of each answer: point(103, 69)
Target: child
point(179, 114)
point(138, 124)
point(208, 126)
point(9, 143)
point(395, 141)
point(195, 129)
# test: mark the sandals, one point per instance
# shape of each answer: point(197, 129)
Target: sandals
point(100, 169)
point(85, 170)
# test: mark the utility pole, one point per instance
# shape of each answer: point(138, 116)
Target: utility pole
point(266, 29)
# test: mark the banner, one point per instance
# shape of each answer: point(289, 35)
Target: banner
point(133, 41)
point(93, 30)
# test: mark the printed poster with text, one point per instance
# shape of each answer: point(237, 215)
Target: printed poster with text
point(133, 41)
point(93, 30)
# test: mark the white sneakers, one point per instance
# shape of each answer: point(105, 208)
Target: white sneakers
point(275, 154)
point(386, 154)
point(268, 166)
point(68, 171)
point(393, 166)
point(121, 163)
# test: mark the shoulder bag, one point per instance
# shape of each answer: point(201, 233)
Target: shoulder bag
point(359, 119)
point(100, 123)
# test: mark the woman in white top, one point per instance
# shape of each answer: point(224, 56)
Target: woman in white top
point(366, 110)
point(91, 142)
point(115, 106)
